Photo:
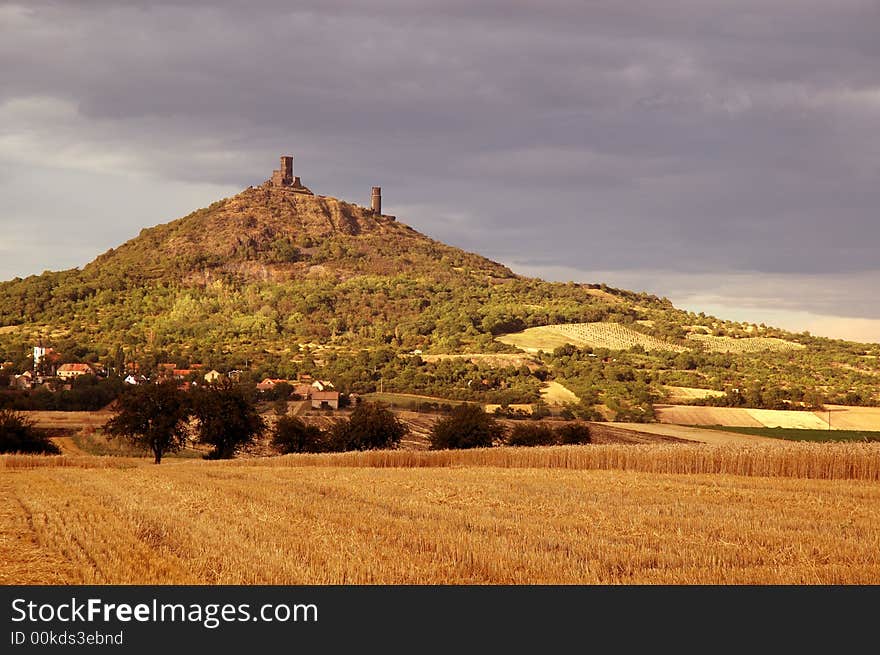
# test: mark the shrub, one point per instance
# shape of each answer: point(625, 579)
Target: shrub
point(293, 435)
point(370, 426)
point(467, 426)
point(573, 433)
point(18, 435)
point(525, 434)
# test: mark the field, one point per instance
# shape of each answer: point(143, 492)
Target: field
point(554, 393)
point(553, 515)
point(794, 434)
point(702, 434)
point(677, 394)
point(496, 360)
point(841, 417)
point(615, 336)
point(407, 400)
point(744, 345)
point(596, 335)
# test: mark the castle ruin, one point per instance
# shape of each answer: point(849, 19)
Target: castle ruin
point(283, 178)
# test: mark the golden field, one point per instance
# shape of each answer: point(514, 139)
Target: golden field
point(799, 513)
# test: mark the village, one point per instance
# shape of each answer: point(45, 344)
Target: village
point(50, 374)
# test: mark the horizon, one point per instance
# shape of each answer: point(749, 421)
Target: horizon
point(725, 165)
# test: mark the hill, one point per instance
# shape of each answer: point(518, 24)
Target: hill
point(278, 281)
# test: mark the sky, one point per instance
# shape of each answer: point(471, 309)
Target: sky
point(723, 154)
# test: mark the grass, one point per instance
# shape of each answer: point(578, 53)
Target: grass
point(408, 400)
point(796, 434)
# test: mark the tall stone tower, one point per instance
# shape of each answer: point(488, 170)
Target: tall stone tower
point(376, 200)
point(284, 175)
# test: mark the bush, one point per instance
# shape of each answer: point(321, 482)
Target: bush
point(525, 434)
point(370, 426)
point(467, 426)
point(18, 435)
point(293, 435)
point(573, 433)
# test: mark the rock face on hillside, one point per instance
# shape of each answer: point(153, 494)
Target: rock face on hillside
point(268, 231)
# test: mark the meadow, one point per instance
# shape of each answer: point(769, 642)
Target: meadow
point(795, 513)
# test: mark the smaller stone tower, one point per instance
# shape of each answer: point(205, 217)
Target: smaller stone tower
point(376, 200)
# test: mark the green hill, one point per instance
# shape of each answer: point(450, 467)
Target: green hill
point(280, 282)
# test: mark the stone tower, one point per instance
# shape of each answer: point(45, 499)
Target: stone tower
point(284, 175)
point(376, 200)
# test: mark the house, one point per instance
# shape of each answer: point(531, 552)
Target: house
point(269, 383)
point(212, 376)
point(181, 373)
point(322, 385)
point(166, 369)
point(134, 379)
point(74, 370)
point(23, 381)
point(303, 391)
point(324, 399)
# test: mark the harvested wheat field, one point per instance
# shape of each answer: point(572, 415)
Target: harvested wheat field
point(740, 417)
point(544, 515)
point(844, 417)
point(69, 420)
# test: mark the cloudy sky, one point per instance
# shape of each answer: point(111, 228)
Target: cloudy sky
point(724, 154)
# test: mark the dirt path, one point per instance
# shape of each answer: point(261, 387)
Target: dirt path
point(702, 435)
point(68, 446)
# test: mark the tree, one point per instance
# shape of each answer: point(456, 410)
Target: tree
point(573, 433)
point(228, 419)
point(18, 435)
point(468, 426)
point(292, 435)
point(525, 434)
point(370, 426)
point(153, 416)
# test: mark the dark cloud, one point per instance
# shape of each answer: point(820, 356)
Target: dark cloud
point(687, 136)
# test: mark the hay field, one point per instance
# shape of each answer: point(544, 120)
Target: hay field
point(69, 420)
point(678, 394)
point(742, 417)
point(555, 393)
point(696, 415)
point(210, 523)
point(717, 437)
point(596, 335)
point(744, 345)
point(843, 417)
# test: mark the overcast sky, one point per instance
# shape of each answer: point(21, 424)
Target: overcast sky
point(723, 154)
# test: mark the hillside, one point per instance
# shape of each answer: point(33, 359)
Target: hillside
point(276, 282)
